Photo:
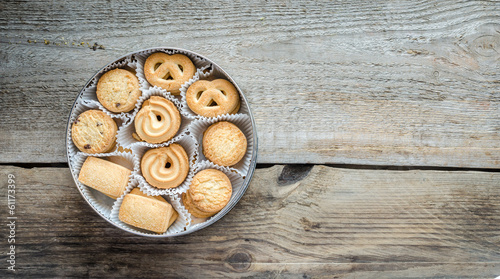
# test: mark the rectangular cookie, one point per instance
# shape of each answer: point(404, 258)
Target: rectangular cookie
point(146, 213)
point(106, 177)
point(137, 191)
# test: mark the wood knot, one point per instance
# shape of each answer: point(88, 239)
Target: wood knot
point(308, 225)
point(487, 45)
point(293, 173)
point(239, 260)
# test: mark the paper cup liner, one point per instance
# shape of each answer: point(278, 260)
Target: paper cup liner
point(237, 182)
point(182, 222)
point(199, 62)
point(189, 144)
point(124, 134)
point(242, 121)
point(98, 200)
point(78, 109)
point(210, 73)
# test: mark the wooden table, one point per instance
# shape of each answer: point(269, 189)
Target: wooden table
point(378, 125)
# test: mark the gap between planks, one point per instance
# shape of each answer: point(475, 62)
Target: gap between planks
point(293, 166)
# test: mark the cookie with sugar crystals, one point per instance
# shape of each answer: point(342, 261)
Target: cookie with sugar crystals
point(224, 143)
point(137, 191)
point(106, 177)
point(209, 193)
point(146, 213)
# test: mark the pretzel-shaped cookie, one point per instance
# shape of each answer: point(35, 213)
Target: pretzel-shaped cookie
point(169, 72)
point(213, 98)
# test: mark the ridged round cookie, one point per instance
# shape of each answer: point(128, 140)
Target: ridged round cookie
point(188, 204)
point(213, 98)
point(94, 131)
point(158, 120)
point(165, 167)
point(118, 90)
point(224, 143)
point(169, 72)
point(210, 190)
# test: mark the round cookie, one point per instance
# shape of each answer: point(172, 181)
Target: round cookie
point(169, 72)
point(94, 131)
point(158, 120)
point(188, 204)
point(213, 98)
point(210, 191)
point(165, 167)
point(224, 143)
point(118, 90)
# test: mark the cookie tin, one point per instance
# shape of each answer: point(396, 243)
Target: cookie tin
point(189, 136)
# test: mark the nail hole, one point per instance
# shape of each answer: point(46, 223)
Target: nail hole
point(168, 165)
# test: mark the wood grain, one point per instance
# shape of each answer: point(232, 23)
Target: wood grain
point(324, 223)
point(349, 82)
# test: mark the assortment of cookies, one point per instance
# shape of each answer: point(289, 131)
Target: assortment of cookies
point(182, 129)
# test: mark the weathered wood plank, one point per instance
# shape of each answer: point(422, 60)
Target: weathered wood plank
point(325, 222)
point(377, 82)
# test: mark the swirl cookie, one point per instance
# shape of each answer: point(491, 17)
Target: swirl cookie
point(165, 167)
point(224, 143)
point(208, 194)
point(118, 90)
point(169, 72)
point(157, 121)
point(213, 98)
point(94, 131)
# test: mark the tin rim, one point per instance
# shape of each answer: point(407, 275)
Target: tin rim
point(230, 205)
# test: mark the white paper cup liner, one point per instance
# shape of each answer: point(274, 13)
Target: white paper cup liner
point(78, 109)
point(236, 179)
point(124, 134)
point(242, 121)
point(98, 200)
point(189, 144)
point(211, 73)
point(182, 222)
point(199, 62)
